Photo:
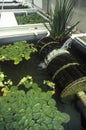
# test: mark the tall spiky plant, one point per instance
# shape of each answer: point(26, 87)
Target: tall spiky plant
point(60, 19)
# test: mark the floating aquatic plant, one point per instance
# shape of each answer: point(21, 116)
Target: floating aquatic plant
point(31, 110)
point(16, 52)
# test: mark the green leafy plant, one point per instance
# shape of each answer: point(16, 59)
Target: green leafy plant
point(5, 84)
point(30, 19)
point(16, 52)
point(60, 19)
point(33, 110)
point(51, 85)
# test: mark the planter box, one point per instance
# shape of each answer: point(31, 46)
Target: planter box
point(29, 18)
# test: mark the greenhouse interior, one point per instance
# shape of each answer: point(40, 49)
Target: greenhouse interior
point(42, 65)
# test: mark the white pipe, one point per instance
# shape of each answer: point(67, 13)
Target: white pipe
point(78, 35)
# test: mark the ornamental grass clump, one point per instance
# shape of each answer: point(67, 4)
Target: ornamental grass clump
point(58, 27)
point(31, 110)
point(61, 19)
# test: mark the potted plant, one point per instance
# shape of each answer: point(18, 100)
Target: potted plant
point(58, 27)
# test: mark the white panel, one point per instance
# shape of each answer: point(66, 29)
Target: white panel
point(7, 19)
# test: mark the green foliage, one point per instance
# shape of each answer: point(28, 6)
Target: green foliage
point(60, 19)
point(26, 81)
point(30, 19)
point(2, 76)
point(33, 110)
point(3, 81)
point(5, 84)
point(16, 52)
point(49, 83)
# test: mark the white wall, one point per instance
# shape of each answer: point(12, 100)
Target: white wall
point(48, 5)
point(52, 5)
point(38, 3)
point(80, 14)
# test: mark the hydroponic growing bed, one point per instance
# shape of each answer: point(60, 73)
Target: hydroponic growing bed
point(26, 101)
point(31, 67)
point(29, 18)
